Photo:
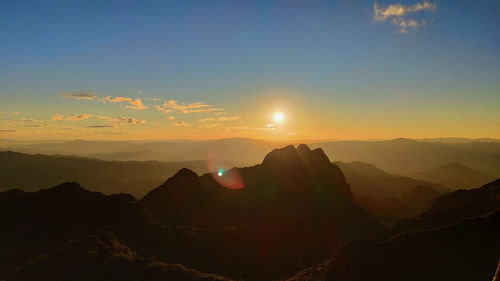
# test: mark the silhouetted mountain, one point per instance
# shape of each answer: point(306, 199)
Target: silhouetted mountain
point(296, 200)
point(34, 223)
point(366, 180)
point(101, 256)
point(34, 172)
point(455, 176)
point(387, 210)
point(420, 198)
point(455, 206)
point(466, 251)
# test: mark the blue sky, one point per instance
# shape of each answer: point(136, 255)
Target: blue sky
point(331, 65)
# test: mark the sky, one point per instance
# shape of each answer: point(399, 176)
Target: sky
point(150, 70)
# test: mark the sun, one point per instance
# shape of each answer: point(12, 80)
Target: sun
point(278, 117)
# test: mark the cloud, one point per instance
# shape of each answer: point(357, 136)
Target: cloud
point(398, 13)
point(7, 131)
point(36, 125)
point(71, 117)
point(101, 126)
point(80, 95)
point(170, 118)
point(28, 120)
point(208, 119)
point(231, 118)
point(208, 126)
point(250, 129)
point(121, 120)
point(10, 112)
point(133, 103)
point(219, 119)
point(181, 124)
point(197, 107)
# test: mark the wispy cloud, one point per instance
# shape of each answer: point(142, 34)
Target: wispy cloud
point(132, 103)
point(219, 119)
point(7, 131)
point(28, 120)
point(398, 14)
point(101, 126)
point(10, 112)
point(197, 107)
point(71, 117)
point(80, 95)
point(208, 119)
point(181, 124)
point(121, 120)
point(170, 117)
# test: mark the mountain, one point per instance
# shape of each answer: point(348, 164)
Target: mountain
point(392, 210)
point(406, 156)
point(296, 200)
point(455, 206)
point(102, 257)
point(455, 176)
point(35, 223)
point(387, 210)
point(34, 172)
point(400, 156)
point(366, 180)
point(245, 151)
point(420, 198)
point(464, 251)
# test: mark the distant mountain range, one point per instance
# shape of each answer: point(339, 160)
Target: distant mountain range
point(400, 156)
point(291, 216)
point(34, 172)
point(455, 176)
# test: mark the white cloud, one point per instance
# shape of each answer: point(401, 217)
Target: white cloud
point(80, 95)
point(399, 13)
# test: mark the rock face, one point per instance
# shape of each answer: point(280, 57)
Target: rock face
point(467, 250)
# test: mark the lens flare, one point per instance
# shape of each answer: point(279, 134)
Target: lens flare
point(223, 172)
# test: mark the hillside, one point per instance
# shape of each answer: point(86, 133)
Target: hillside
point(405, 156)
point(34, 172)
point(366, 180)
point(455, 176)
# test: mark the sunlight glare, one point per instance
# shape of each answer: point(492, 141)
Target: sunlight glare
point(278, 117)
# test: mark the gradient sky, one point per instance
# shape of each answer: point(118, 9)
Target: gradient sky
point(213, 69)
